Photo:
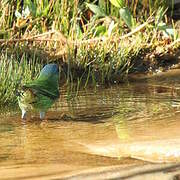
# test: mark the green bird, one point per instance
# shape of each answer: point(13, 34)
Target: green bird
point(39, 94)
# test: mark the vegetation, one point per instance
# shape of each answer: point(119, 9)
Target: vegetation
point(13, 72)
point(98, 41)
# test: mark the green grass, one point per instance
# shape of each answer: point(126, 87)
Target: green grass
point(14, 71)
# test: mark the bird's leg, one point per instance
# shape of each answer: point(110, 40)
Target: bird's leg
point(23, 116)
point(42, 115)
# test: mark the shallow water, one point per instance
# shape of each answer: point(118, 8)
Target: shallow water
point(132, 124)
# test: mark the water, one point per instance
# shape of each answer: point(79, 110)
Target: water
point(134, 125)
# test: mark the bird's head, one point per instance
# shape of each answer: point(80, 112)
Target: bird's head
point(50, 69)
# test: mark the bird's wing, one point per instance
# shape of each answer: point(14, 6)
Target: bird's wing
point(40, 89)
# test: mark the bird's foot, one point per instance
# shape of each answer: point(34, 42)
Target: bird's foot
point(42, 115)
point(23, 116)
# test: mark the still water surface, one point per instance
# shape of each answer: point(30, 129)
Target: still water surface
point(128, 124)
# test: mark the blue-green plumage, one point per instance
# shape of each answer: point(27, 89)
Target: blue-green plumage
point(40, 94)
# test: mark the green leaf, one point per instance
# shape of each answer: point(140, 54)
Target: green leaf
point(118, 3)
point(127, 17)
point(96, 10)
point(100, 31)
